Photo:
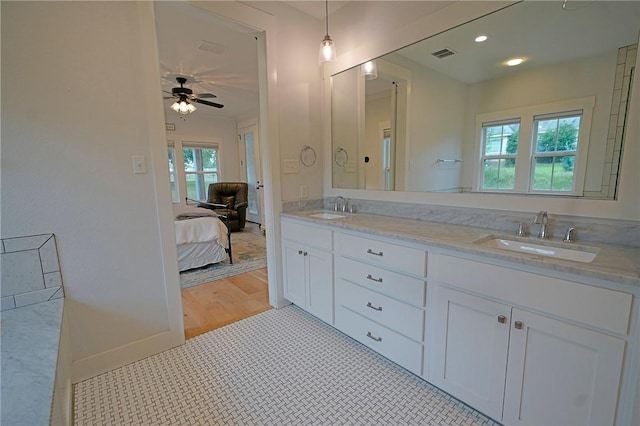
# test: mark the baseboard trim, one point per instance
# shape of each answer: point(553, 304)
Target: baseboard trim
point(95, 365)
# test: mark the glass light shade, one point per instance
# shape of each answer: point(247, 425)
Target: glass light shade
point(183, 107)
point(369, 70)
point(327, 50)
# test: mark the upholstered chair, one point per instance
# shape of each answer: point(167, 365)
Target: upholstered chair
point(235, 196)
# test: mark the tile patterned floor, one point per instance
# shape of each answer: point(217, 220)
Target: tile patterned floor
point(280, 367)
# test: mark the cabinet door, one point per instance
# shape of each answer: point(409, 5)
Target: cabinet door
point(560, 374)
point(320, 288)
point(469, 356)
point(294, 272)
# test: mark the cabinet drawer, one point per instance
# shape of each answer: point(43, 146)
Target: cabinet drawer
point(594, 306)
point(400, 258)
point(399, 349)
point(410, 290)
point(398, 316)
point(309, 235)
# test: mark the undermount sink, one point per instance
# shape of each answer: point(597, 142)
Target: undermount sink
point(564, 251)
point(327, 216)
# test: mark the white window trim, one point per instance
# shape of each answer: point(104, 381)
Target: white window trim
point(194, 141)
point(171, 144)
point(525, 145)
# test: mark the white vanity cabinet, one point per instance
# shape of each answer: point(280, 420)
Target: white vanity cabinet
point(380, 296)
point(308, 268)
point(523, 348)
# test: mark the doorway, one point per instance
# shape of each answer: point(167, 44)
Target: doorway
point(252, 170)
point(201, 68)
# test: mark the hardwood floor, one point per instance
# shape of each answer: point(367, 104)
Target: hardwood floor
point(218, 303)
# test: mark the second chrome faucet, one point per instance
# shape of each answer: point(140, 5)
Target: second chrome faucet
point(542, 219)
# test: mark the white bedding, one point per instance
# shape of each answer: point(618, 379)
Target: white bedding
point(201, 229)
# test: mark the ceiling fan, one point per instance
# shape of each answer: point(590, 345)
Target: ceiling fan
point(184, 96)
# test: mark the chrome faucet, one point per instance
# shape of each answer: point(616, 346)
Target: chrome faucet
point(542, 219)
point(339, 204)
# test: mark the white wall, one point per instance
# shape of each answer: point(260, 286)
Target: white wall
point(67, 143)
point(299, 96)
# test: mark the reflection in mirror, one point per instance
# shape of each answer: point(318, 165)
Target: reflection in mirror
point(440, 114)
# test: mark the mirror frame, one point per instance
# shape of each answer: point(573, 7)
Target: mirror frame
point(459, 13)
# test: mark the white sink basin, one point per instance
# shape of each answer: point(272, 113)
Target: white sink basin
point(327, 216)
point(584, 254)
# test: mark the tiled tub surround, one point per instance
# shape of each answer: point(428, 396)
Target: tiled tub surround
point(30, 343)
point(30, 270)
point(31, 324)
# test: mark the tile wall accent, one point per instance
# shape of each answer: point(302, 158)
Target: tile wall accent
point(30, 271)
point(625, 68)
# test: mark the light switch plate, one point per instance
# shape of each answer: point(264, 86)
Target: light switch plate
point(291, 166)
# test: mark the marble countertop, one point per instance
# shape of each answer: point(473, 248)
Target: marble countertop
point(618, 264)
point(30, 340)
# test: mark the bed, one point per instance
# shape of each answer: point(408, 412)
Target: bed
point(202, 237)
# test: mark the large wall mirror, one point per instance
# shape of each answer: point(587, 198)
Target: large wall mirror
point(448, 114)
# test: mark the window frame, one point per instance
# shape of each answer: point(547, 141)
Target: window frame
point(174, 173)
point(200, 173)
point(178, 142)
point(526, 144)
point(484, 156)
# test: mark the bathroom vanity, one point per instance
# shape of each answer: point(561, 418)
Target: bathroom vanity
point(523, 337)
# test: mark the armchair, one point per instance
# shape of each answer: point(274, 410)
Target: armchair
point(235, 196)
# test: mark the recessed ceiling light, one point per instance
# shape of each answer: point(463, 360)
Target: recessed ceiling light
point(481, 38)
point(515, 61)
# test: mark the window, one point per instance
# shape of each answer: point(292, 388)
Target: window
point(499, 149)
point(539, 149)
point(556, 147)
point(200, 169)
point(193, 165)
point(175, 197)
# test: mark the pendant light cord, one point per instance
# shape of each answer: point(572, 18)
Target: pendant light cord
point(326, 15)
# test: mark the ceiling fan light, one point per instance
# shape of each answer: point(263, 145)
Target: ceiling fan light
point(183, 107)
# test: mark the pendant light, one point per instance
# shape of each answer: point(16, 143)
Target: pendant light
point(369, 70)
point(327, 48)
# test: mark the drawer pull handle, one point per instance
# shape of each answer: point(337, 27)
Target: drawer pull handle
point(378, 280)
point(372, 337)
point(502, 319)
point(518, 325)
point(375, 308)
point(369, 251)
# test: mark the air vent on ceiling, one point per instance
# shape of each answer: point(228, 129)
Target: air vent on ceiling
point(443, 53)
point(208, 46)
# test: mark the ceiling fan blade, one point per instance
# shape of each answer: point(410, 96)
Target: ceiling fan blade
point(205, 95)
point(167, 92)
point(213, 104)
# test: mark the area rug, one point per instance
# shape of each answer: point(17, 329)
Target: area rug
point(249, 254)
